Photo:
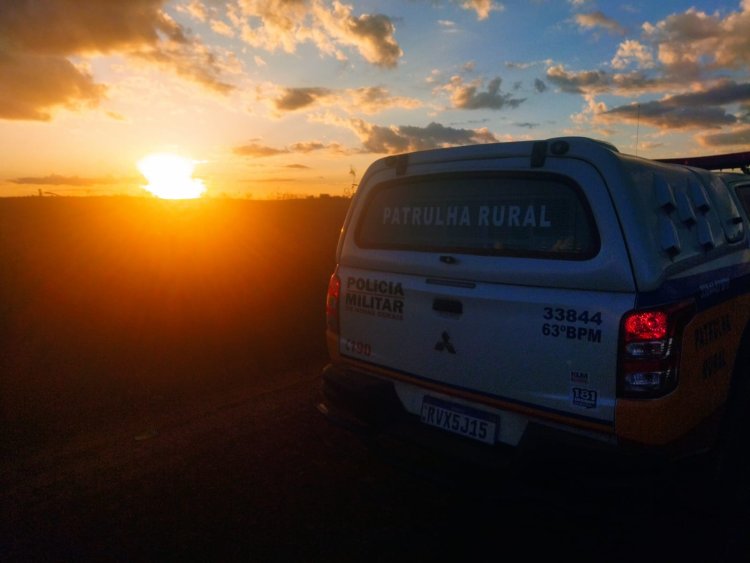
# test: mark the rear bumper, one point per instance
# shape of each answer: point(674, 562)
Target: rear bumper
point(369, 405)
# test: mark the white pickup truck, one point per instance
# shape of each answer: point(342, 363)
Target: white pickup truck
point(496, 290)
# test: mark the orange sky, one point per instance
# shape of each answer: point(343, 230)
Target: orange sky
point(275, 97)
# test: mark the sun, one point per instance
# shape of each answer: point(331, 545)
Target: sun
point(171, 176)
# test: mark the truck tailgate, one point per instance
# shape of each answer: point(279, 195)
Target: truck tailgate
point(553, 350)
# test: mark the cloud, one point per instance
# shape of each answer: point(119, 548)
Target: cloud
point(482, 8)
point(197, 64)
point(58, 180)
point(330, 27)
point(702, 109)
point(373, 36)
point(699, 40)
point(257, 150)
point(632, 51)
point(580, 82)
point(367, 100)
point(376, 98)
point(673, 55)
point(85, 26)
point(468, 96)
point(663, 114)
point(539, 85)
point(39, 38)
point(593, 82)
point(297, 98)
point(598, 19)
point(448, 26)
point(308, 146)
point(738, 136)
point(515, 65)
point(405, 138)
point(33, 85)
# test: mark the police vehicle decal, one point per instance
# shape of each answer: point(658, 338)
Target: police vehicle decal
point(373, 296)
point(710, 287)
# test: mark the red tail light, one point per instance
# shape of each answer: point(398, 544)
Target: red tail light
point(332, 303)
point(649, 350)
point(646, 325)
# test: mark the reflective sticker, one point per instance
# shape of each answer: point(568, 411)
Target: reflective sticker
point(585, 398)
point(579, 377)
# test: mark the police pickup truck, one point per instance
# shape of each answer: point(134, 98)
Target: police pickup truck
point(496, 290)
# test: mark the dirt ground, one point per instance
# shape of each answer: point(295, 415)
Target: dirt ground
point(255, 473)
point(159, 376)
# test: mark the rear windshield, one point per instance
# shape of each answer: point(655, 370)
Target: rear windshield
point(743, 193)
point(531, 215)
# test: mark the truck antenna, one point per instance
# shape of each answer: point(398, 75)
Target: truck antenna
point(637, 126)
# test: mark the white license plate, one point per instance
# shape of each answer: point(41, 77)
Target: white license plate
point(459, 419)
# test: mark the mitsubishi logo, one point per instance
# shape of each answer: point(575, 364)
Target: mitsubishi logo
point(445, 343)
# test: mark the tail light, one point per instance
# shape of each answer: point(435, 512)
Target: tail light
point(332, 303)
point(650, 350)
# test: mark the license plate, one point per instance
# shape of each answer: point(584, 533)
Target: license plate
point(459, 419)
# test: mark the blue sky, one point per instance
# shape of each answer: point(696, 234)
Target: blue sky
point(278, 97)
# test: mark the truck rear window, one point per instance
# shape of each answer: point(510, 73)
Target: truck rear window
point(525, 215)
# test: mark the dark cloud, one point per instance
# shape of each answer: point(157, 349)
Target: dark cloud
point(598, 19)
point(393, 140)
point(590, 82)
point(374, 35)
point(57, 180)
point(694, 109)
point(39, 36)
point(256, 149)
point(298, 98)
point(468, 96)
point(371, 99)
point(32, 85)
point(725, 93)
point(308, 146)
point(578, 82)
point(665, 115)
point(540, 86)
point(739, 136)
point(67, 27)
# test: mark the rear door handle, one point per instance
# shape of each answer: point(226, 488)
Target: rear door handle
point(448, 306)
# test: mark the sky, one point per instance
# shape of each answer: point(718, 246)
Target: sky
point(280, 98)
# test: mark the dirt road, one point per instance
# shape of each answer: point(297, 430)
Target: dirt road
point(255, 473)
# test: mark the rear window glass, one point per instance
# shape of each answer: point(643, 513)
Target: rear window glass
point(743, 193)
point(538, 216)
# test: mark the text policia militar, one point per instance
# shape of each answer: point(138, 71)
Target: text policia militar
point(381, 298)
point(467, 216)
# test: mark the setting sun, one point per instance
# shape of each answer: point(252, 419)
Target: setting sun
point(170, 176)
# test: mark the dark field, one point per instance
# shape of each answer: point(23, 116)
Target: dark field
point(159, 368)
point(106, 300)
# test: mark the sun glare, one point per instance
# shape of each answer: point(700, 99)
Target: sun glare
point(170, 176)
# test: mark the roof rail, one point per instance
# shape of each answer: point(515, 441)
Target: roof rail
point(728, 161)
